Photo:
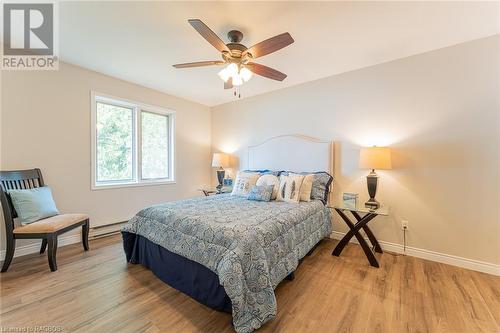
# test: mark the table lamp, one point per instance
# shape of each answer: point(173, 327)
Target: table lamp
point(374, 158)
point(220, 161)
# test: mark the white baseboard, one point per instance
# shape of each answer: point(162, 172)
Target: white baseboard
point(62, 241)
point(35, 247)
point(474, 265)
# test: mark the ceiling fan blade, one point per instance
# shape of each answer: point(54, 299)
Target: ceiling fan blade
point(270, 45)
point(228, 84)
point(199, 64)
point(209, 35)
point(266, 71)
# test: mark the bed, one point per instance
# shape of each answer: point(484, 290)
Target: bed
point(228, 252)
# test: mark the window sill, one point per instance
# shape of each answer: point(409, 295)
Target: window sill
point(140, 184)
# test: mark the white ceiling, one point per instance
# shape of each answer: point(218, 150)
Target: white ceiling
point(140, 41)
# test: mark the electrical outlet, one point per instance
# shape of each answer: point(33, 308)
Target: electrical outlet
point(404, 225)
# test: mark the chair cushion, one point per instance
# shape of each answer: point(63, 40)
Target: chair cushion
point(51, 224)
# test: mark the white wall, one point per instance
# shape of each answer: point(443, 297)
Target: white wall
point(439, 111)
point(45, 123)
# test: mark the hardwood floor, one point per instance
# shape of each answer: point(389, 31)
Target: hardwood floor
point(98, 291)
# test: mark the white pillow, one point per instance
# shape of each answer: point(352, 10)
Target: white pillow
point(244, 182)
point(306, 188)
point(290, 188)
point(270, 180)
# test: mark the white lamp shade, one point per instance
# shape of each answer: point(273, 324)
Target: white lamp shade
point(375, 158)
point(220, 160)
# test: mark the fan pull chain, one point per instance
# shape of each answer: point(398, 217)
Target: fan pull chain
point(237, 93)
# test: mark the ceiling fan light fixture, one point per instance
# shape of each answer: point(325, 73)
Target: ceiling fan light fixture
point(238, 76)
point(245, 74)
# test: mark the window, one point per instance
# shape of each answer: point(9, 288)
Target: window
point(132, 143)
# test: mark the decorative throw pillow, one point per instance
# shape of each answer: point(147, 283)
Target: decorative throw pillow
point(33, 204)
point(244, 182)
point(261, 193)
point(270, 179)
point(321, 186)
point(289, 190)
point(306, 188)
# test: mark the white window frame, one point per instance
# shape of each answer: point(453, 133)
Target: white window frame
point(137, 108)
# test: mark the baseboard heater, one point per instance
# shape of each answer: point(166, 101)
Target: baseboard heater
point(106, 230)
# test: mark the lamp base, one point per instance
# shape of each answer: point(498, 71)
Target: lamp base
point(372, 204)
point(372, 181)
point(220, 177)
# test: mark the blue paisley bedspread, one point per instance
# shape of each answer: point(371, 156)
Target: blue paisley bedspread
point(252, 246)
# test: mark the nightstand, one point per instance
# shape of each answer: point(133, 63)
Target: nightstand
point(213, 190)
point(362, 215)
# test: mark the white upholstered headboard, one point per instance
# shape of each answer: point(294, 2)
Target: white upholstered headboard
point(297, 153)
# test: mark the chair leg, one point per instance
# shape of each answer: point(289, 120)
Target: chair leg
point(44, 246)
point(9, 253)
point(52, 242)
point(85, 235)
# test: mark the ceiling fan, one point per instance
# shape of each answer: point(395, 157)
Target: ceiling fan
point(238, 56)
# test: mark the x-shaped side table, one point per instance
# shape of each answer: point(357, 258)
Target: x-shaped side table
point(355, 227)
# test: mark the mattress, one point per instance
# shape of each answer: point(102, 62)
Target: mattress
point(251, 246)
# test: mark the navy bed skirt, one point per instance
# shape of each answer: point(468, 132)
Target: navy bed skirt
point(185, 275)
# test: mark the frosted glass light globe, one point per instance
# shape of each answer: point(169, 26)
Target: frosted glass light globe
point(232, 69)
point(237, 80)
point(246, 74)
point(224, 74)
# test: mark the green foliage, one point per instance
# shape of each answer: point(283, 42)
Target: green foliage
point(114, 142)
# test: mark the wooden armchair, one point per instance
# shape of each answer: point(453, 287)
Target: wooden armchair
point(46, 229)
